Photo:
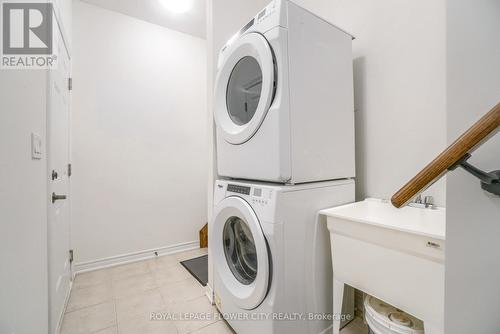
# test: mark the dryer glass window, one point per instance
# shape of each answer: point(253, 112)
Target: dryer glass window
point(239, 248)
point(243, 90)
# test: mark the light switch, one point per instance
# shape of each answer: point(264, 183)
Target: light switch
point(36, 146)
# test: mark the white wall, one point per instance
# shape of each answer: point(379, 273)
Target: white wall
point(399, 89)
point(139, 135)
point(472, 292)
point(23, 203)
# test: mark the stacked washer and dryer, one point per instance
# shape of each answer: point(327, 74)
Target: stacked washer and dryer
point(285, 149)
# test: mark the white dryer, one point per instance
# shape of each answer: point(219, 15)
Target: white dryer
point(271, 255)
point(284, 99)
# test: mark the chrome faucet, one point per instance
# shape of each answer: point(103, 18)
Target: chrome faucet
point(427, 203)
point(418, 200)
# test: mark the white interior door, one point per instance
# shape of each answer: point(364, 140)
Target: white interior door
point(58, 161)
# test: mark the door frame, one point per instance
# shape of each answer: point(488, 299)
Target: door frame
point(55, 327)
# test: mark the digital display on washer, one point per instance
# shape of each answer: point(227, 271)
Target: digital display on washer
point(238, 189)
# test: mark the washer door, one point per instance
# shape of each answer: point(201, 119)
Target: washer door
point(240, 252)
point(244, 88)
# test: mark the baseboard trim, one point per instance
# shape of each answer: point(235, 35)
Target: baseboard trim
point(134, 257)
point(328, 330)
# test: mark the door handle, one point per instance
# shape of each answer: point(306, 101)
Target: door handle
point(57, 197)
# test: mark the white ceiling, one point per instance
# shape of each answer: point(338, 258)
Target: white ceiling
point(193, 22)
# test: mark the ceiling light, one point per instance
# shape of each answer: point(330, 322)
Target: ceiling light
point(177, 6)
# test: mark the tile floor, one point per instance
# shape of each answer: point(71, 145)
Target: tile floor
point(120, 300)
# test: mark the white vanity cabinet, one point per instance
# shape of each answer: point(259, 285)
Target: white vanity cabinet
point(396, 255)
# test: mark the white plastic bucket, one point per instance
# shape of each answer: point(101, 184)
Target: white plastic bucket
point(383, 318)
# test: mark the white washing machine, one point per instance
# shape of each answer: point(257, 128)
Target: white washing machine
point(271, 255)
point(284, 99)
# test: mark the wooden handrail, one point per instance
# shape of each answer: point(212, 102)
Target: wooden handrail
point(466, 143)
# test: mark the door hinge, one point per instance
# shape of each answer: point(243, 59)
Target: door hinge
point(69, 170)
point(70, 256)
point(70, 83)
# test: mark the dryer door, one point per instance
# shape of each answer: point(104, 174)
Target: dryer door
point(240, 252)
point(244, 88)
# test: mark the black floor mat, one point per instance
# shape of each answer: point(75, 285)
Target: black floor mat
point(198, 267)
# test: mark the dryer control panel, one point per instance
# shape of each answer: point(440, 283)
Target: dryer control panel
point(272, 16)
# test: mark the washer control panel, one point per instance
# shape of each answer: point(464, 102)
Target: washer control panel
point(235, 188)
point(260, 196)
point(255, 195)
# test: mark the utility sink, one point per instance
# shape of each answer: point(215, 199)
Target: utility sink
point(396, 255)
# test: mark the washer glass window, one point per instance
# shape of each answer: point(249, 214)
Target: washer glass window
point(243, 90)
point(239, 248)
